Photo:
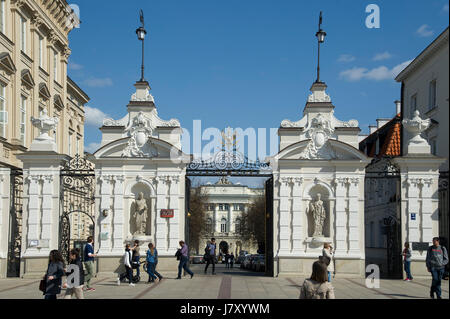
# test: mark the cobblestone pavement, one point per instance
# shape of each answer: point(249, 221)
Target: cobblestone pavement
point(228, 283)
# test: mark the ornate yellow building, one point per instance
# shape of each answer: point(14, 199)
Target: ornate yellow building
point(34, 52)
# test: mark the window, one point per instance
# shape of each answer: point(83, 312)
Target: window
point(432, 95)
point(209, 225)
point(223, 225)
point(41, 52)
point(433, 145)
point(2, 16)
point(372, 234)
point(23, 119)
point(55, 66)
point(78, 145)
point(227, 207)
point(23, 34)
point(237, 226)
point(3, 112)
point(70, 143)
point(413, 104)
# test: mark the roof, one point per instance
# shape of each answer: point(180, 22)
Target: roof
point(392, 143)
point(428, 52)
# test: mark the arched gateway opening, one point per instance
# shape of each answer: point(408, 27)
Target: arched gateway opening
point(230, 198)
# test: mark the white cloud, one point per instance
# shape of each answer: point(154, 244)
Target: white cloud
point(424, 31)
point(74, 66)
point(378, 74)
point(98, 82)
point(92, 147)
point(445, 7)
point(346, 58)
point(94, 116)
point(354, 74)
point(382, 56)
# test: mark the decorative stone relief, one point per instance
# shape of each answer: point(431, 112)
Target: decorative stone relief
point(140, 129)
point(319, 131)
point(317, 211)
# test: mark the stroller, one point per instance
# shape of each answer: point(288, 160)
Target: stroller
point(124, 277)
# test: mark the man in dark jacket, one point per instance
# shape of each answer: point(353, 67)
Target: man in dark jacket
point(436, 260)
point(210, 253)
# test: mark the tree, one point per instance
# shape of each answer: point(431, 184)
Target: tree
point(253, 222)
point(197, 216)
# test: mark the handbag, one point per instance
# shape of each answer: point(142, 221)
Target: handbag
point(43, 284)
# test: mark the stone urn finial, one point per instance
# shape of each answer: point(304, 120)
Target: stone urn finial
point(45, 124)
point(416, 126)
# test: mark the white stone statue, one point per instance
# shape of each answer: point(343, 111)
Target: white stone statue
point(415, 127)
point(318, 214)
point(140, 214)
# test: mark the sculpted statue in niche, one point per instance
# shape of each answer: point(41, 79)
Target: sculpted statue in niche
point(140, 215)
point(317, 211)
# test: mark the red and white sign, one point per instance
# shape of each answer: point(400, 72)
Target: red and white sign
point(167, 213)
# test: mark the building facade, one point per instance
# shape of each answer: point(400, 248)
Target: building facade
point(226, 204)
point(424, 89)
point(425, 83)
point(34, 52)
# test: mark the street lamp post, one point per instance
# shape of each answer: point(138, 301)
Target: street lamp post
point(141, 32)
point(320, 39)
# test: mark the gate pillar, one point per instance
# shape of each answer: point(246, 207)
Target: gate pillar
point(4, 218)
point(40, 220)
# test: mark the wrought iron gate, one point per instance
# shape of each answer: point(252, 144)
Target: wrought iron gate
point(269, 228)
point(15, 223)
point(77, 214)
point(387, 206)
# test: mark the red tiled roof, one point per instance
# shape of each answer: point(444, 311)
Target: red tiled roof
point(391, 146)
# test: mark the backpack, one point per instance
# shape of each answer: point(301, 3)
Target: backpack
point(312, 293)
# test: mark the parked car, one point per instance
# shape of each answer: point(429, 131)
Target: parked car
point(259, 263)
point(241, 256)
point(246, 262)
point(197, 260)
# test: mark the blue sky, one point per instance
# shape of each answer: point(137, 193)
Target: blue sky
point(246, 63)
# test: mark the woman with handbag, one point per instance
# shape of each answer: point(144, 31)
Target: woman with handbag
point(53, 277)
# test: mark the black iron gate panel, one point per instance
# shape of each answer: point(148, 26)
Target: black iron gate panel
point(77, 213)
point(443, 208)
point(269, 227)
point(15, 223)
point(383, 169)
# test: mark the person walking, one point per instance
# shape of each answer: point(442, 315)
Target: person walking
point(136, 264)
point(89, 262)
point(75, 259)
point(328, 252)
point(210, 252)
point(151, 261)
point(407, 262)
point(184, 258)
point(54, 274)
point(317, 287)
point(227, 260)
point(128, 270)
point(231, 260)
point(436, 260)
point(156, 262)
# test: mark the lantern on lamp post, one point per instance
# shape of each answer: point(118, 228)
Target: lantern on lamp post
point(141, 32)
point(320, 39)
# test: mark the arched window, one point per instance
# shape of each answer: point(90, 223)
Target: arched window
point(237, 225)
point(223, 225)
point(209, 225)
